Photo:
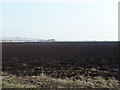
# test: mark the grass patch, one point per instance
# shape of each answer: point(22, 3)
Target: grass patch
point(43, 81)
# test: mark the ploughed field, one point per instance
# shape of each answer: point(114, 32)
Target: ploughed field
point(62, 59)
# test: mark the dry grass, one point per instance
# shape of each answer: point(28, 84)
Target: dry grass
point(43, 81)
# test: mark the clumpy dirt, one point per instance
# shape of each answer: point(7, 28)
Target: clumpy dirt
point(61, 64)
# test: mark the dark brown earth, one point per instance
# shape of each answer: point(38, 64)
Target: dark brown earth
point(62, 59)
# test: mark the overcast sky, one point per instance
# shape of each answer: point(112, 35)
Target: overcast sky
point(72, 21)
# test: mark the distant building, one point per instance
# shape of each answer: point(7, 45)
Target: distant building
point(51, 40)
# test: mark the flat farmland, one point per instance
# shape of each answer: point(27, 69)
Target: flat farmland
point(62, 59)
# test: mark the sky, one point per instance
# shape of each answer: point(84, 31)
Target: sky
point(62, 21)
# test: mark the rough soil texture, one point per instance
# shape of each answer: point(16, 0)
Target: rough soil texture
point(84, 64)
point(43, 81)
